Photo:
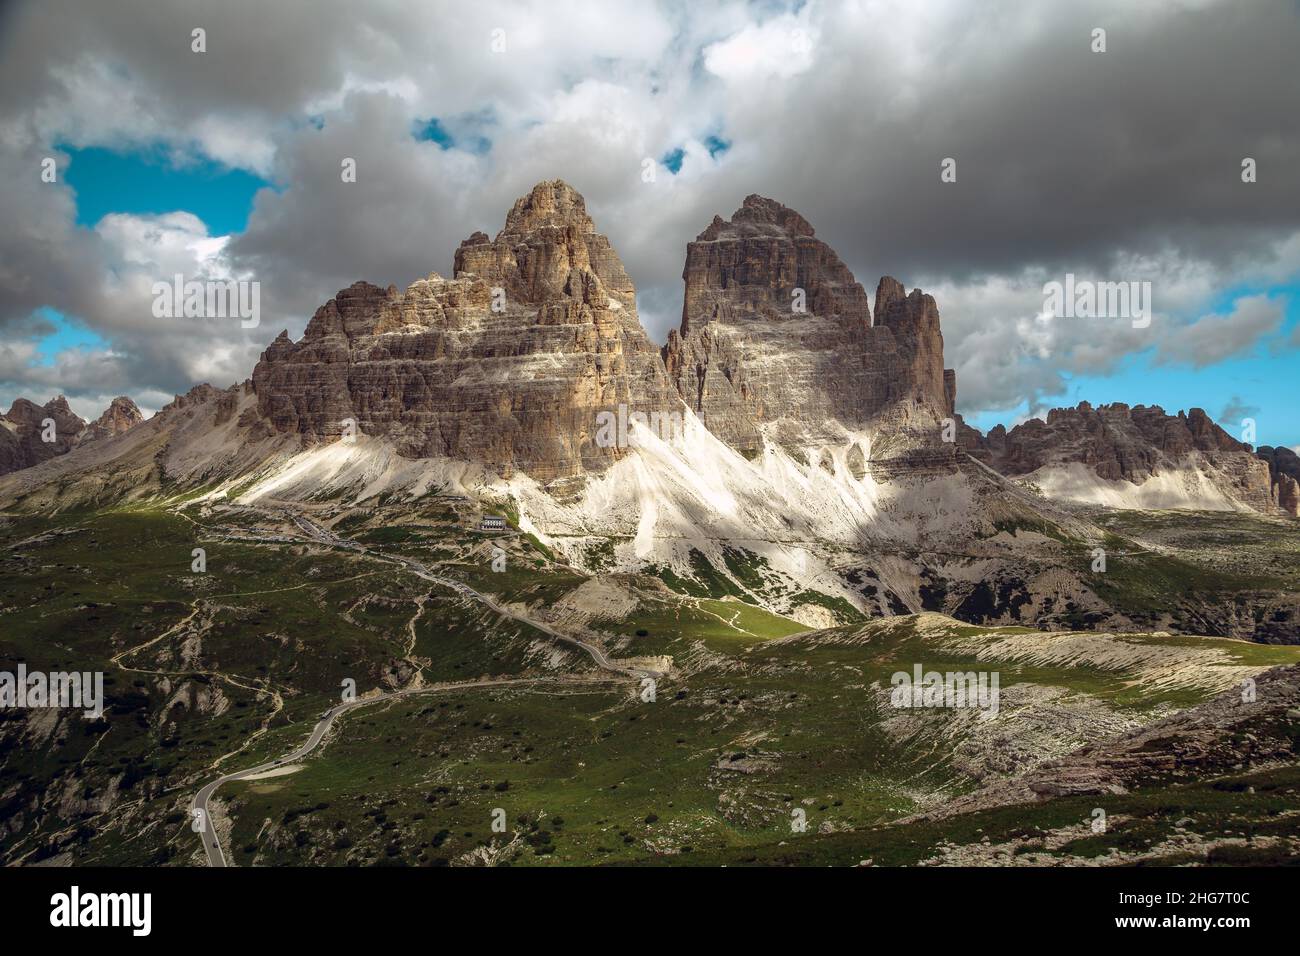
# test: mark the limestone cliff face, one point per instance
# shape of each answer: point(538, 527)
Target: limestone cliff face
point(775, 329)
point(1119, 442)
point(509, 363)
point(1284, 473)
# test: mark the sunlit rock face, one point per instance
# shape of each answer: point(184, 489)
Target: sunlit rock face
point(510, 363)
point(121, 415)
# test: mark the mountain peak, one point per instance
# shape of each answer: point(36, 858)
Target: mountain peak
point(548, 249)
point(23, 432)
point(553, 203)
point(761, 285)
point(758, 215)
point(121, 415)
point(59, 404)
point(507, 363)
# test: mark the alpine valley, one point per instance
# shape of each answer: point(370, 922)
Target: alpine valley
point(678, 645)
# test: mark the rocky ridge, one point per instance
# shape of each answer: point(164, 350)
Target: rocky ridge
point(776, 331)
point(1222, 735)
point(1118, 442)
point(23, 430)
point(508, 363)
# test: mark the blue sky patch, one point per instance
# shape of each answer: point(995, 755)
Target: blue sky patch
point(672, 160)
point(1259, 386)
point(716, 145)
point(68, 334)
point(146, 182)
point(464, 133)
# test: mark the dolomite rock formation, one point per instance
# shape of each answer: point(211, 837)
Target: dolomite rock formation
point(22, 428)
point(747, 356)
point(1212, 739)
point(1284, 473)
point(508, 363)
point(121, 415)
point(1122, 443)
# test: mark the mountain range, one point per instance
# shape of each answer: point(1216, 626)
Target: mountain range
point(816, 461)
point(710, 564)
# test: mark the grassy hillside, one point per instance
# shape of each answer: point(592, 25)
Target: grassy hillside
point(758, 724)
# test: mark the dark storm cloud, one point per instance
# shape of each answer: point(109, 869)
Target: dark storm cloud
point(1116, 165)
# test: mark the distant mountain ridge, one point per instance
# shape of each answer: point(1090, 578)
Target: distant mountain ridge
point(23, 430)
point(1109, 454)
point(511, 362)
point(819, 467)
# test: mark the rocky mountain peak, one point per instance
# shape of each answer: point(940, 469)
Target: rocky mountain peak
point(22, 431)
point(896, 308)
point(549, 249)
point(776, 330)
point(508, 363)
point(26, 412)
point(121, 415)
point(554, 205)
point(757, 216)
point(23, 410)
point(59, 406)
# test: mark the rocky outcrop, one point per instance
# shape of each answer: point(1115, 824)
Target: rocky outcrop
point(1122, 443)
point(1116, 441)
point(776, 331)
point(121, 415)
point(1284, 475)
point(1221, 736)
point(25, 428)
point(508, 363)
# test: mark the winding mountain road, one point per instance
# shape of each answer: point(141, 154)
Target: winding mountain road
point(324, 536)
point(199, 804)
point(212, 844)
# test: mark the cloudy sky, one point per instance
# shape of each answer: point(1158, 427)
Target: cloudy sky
point(1122, 165)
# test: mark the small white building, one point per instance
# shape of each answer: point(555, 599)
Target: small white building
point(492, 523)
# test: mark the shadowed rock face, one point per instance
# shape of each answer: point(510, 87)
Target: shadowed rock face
point(22, 428)
point(1284, 473)
point(747, 355)
point(515, 380)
